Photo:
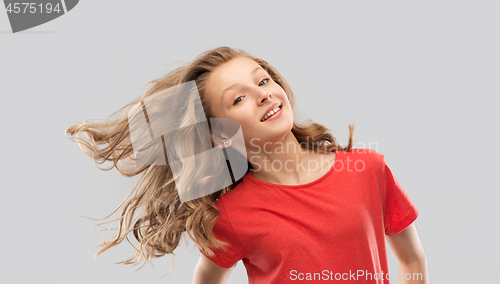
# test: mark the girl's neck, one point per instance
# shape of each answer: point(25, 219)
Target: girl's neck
point(287, 163)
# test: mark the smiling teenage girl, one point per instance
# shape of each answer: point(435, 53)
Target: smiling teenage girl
point(306, 209)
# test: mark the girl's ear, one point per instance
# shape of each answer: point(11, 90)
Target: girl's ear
point(220, 141)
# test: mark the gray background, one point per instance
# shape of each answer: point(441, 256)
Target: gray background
point(419, 79)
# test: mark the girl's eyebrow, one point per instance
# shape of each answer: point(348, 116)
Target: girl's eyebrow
point(232, 86)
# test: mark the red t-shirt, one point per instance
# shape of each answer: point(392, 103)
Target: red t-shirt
point(331, 229)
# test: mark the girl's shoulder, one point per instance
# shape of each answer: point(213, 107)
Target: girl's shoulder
point(365, 153)
point(369, 158)
point(240, 192)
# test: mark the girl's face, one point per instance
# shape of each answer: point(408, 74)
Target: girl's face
point(239, 89)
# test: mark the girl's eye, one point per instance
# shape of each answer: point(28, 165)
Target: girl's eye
point(236, 100)
point(265, 79)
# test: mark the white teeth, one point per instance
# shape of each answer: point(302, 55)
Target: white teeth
point(273, 111)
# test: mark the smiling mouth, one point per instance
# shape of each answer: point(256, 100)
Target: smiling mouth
point(267, 117)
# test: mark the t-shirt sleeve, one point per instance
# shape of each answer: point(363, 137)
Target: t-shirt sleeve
point(227, 256)
point(399, 210)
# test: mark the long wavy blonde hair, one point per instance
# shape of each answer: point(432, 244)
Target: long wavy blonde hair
point(154, 214)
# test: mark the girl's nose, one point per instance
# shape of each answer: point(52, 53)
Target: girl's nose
point(265, 95)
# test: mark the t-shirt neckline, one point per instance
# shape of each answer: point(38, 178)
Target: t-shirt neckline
point(253, 179)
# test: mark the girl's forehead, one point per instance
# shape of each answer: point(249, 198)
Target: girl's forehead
point(238, 65)
point(232, 72)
